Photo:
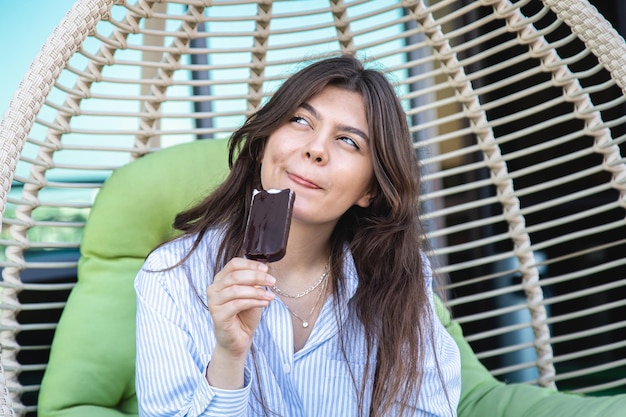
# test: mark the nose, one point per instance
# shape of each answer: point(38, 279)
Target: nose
point(316, 151)
point(316, 156)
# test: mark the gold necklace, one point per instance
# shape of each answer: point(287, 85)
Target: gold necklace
point(305, 322)
point(308, 290)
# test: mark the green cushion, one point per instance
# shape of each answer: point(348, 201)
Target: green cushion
point(91, 371)
point(484, 396)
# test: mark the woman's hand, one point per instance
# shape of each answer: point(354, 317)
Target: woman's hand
point(236, 299)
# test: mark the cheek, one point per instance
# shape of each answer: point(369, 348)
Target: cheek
point(269, 164)
point(366, 175)
point(263, 174)
point(357, 184)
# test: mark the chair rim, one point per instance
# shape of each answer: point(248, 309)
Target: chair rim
point(583, 19)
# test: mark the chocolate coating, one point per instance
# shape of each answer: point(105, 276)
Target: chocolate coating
point(268, 225)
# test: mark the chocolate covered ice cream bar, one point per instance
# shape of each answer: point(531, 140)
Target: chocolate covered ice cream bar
point(268, 224)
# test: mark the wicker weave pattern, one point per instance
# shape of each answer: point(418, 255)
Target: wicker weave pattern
point(6, 404)
point(598, 35)
point(517, 109)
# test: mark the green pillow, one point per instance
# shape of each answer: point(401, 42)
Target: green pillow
point(484, 396)
point(91, 371)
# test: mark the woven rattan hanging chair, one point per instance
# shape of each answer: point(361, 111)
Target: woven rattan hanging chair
point(517, 108)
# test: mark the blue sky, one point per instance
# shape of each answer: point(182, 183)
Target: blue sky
point(24, 27)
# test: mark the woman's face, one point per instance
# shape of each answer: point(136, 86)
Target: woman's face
point(323, 155)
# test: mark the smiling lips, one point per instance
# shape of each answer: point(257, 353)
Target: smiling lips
point(303, 181)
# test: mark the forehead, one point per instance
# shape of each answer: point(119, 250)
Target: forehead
point(334, 101)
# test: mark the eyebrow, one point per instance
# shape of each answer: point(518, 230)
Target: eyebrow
point(346, 128)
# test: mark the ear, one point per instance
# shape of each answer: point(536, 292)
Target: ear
point(366, 199)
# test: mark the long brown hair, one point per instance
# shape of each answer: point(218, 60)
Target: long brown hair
point(391, 301)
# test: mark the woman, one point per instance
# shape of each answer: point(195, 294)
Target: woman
point(343, 325)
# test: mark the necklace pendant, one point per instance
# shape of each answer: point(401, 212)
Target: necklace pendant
point(305, 324)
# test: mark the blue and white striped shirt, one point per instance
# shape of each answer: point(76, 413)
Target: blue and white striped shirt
point(175, 342)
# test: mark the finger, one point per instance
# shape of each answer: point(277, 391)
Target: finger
point(240, 285)
point(221, 296)
point(229, 311)
point(233, 305)
point(238, 263)
point(244, 273)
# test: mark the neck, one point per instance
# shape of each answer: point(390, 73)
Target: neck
point(308, 250)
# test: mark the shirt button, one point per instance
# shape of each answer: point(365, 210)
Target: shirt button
point(286, 368)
